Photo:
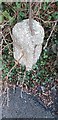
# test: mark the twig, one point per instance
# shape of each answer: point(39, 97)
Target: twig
point(50, 35)
point(38, 11)
point(30, 18)
point(12, 36)
point(14, 66)
point(48, 21)
point(5, 41)
point(7, 45)
point(22, 84)
point(14, 88)
point(7, 96)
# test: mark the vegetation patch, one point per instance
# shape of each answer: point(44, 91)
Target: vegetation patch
point(42, 79)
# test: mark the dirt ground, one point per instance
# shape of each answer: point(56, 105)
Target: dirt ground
point(26, 107)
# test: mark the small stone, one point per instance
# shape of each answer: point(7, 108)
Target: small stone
point(26, 44)
point(25, 101)
point(43, 88)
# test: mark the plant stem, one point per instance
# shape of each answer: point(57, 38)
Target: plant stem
point(30, 18)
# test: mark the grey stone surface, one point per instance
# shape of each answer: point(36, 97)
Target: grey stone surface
point(25, 107)
point(25, 43)
point(0, 107)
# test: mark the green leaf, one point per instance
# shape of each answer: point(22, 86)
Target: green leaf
point(32, 85)
point(22, 14)
point(49, 17)
point(23, 68)
point(33, 77)
point(45, 6)
point(1, 17)
point(18, 5)
point(11, 20)
point(35, 67)
point(1, 64)
point(47, 1)
point(46, 79)
point(28, 77)
point(55, 15)
point(6, 15)
point(0, 1)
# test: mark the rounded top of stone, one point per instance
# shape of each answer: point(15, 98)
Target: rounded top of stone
point(22, 27)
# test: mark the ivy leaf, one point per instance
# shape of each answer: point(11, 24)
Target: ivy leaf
point(55, 15)
point(49, 17)
point(22, 14)
point(18, 5)
point(45, 6)
point(6, 15)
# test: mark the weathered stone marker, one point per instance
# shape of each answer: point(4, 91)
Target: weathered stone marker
point(26, 44)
